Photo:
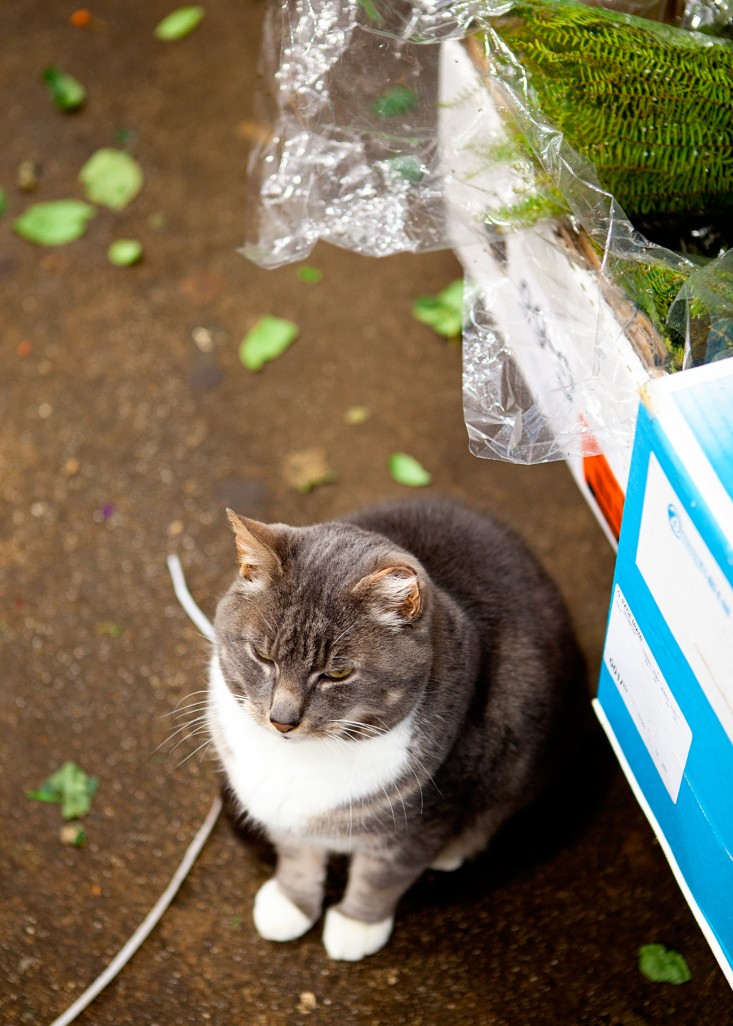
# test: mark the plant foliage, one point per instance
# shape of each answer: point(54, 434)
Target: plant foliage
point(651, 106)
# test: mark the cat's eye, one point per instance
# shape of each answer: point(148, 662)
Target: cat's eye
point(262, 655)
point(338, 674)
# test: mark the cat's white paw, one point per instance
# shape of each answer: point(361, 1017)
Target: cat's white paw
point(351, 939)
point(276, 917)
point(447, 862)
point(451, 857)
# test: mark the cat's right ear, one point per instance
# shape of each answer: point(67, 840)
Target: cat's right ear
point(256, 549)
point(395, 594)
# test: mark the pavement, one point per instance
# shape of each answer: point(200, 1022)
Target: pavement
point(128, 425)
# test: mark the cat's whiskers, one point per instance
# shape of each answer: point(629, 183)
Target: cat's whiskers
point(179, 707)
point(344, 632)
point(202, 747)
point(203, 726)
point(188, 710)
point(391, 807)
point(182, 708)
point(356, 729)
point(421, 765)
point(201, 720)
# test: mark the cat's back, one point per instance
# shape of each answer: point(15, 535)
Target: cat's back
point(477, 559)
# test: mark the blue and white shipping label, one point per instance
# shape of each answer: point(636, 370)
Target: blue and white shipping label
point(690, 589)
point(646, 694)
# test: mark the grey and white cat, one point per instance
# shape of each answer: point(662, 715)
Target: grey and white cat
point(393, 686)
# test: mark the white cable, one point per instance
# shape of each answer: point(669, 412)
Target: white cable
point(151, 920)
point(156, 913)
point(184, 597)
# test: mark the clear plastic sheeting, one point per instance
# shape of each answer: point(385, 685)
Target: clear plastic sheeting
point(392, 132)
point(352, 158)
point(714, 16)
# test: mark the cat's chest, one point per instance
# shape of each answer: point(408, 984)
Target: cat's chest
point(287, 784)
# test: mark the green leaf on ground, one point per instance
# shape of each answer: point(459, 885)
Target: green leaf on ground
point(400, 99)
point(114, 630)
point(55, 222)
point(124, 252)
point(111, 177)
point(444, 312)
point(406, 470)
point(71, 788)
point(662, 965)
point(179, 23)
point(3, 202)
point(267, 340)
point(310, 275)
point(66, 91)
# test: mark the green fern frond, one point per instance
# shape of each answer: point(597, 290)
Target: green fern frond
point(649, 105)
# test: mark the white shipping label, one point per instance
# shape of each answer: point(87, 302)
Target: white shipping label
point(690, 589)
point(651, 705)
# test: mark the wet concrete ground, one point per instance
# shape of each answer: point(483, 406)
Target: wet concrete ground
point(126, 430)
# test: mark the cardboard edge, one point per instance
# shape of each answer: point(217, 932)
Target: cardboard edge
point(702, 922)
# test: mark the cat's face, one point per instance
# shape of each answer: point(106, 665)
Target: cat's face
point(325, 633)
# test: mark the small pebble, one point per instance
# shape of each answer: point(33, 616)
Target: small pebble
point(307, 1002)
point(72, 834)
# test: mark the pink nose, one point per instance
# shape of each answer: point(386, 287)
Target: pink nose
point(283, 727)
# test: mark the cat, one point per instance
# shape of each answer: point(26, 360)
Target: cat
point(393, 686)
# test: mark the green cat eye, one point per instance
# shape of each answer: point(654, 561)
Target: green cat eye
point(263, 656)
point(338, 674)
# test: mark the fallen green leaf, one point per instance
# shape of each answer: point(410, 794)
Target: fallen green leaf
point(111, 177)
point(662, 965)
point(3, 202)
point(71, 787)
point(179, 23)
point(114, 630)
point(124, 252)
point(398, 100)
point(444, 312)
point(55, 222)
point(66, 91)
point(267, 340)
point(406, 470)
point(310, 275)
point(124, 137)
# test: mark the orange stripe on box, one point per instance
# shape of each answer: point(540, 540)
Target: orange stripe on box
point(605, 490)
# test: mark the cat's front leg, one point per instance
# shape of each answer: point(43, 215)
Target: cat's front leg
point(289, 903)
point(362, 922)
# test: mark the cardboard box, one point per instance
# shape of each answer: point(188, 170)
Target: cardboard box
point(666, 688)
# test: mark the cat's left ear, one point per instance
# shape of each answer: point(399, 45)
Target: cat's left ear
point(395, 591)
point(257, 546)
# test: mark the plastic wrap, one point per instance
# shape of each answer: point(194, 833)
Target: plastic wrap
point(387, 137)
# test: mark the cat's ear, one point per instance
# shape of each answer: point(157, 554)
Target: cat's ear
point(395, 592)
point(256, 548)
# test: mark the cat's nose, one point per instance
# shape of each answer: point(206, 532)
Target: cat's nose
point(283, 727)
